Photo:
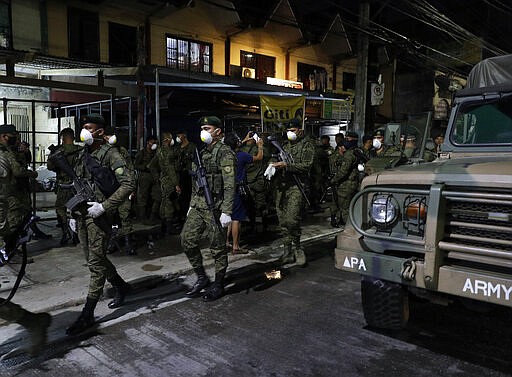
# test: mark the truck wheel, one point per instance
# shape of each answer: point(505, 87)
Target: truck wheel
point(385, 304)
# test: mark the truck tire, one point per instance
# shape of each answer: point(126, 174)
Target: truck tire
point(385, 304)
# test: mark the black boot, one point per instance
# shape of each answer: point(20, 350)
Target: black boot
point(216, 290)
point(66, 235)
point(121, 288)
point(85, 320)
point(334, 224)
point(128, 246)
point(202, 282)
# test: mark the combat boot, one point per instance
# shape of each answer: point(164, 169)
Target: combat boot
point(202, 282)
point(300, 257)
point(37, 326)
point(85, 320)
point(288, 256)
point(128, 245)
point(121, 288)
point(66, 235)
point(216, 290)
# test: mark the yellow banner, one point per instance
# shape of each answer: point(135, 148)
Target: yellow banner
point(277, 112)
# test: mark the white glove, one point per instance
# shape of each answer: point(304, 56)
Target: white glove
point(95, 210)
point(360, 167)
point(225, 220)
point(72, 225)
point(269, 173)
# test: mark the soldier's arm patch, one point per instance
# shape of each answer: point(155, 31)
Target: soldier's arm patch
point(119, 171)
point(228, 169)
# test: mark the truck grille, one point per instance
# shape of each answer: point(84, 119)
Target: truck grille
point(478, 227)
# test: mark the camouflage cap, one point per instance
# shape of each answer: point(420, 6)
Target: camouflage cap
point(352, 134)
point(210, 121)
point(7, 129)
point(378, 133)
point(92, 118)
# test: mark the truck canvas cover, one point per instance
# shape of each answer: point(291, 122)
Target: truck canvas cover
point(491, 71)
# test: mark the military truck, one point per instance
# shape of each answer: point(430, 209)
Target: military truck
point(441, 230)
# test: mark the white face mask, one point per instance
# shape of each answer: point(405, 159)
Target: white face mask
point(153, 147)
point(206, 137)
point(86, 136)
point(178, 140)
point(112, 139)
point(377, 144)
point(292, 136)
point(172, 142)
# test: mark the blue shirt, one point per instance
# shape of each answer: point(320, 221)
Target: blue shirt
point(242, 159)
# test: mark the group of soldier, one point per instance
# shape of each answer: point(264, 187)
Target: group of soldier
point(164, 192)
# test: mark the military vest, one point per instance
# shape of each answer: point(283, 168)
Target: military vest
point(212, 163)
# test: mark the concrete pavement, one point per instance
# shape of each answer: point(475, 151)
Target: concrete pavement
point(58, 277)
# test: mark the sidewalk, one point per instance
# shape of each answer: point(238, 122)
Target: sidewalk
point(58, 277)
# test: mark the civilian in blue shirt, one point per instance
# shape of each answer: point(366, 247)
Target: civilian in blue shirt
point(242, 189)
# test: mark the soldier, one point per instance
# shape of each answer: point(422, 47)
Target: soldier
point(12, 213)
point(26, 184)
point(123, 216)
point(70, 150)
point(334, 163)
point(164, 165)
point(288, 197)
point(187, 149)
point(320, 171)
point(258, 202)
point(93, 223)
point(219, 162)
point(148, 187)
point(346, 177)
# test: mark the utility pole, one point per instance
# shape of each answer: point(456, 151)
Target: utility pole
point(362, 70)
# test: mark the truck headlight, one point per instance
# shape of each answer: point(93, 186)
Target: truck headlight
point(384, 210)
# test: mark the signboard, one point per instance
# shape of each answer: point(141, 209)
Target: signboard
point(340, 109)
point(277, 112)
point(285, 83)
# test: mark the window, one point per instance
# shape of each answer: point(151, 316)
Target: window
point(188, 55)
point(484, 122)
point(264, 66)
point(313, 77)
point(83, 29)
point(122, 44)
point(5, 25)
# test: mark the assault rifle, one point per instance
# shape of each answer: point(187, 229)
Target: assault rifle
point(82, 189)
point(286, 157)
point(202, 184)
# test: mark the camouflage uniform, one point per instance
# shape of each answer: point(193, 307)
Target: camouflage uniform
point(288, 198)
point(257, 184)
point(63, 195)
point(164, 165)
point(124, 209)
point(93, 237)
point(334, 164)
point(12, 213)
point(185, 165)
point(319, 173)
point(148, 189)
point(346, 179)
point(219, 163)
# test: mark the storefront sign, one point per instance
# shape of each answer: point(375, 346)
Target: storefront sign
point(277, 112)
point(285, 83)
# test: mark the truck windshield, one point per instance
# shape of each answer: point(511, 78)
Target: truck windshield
point(484, 122)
